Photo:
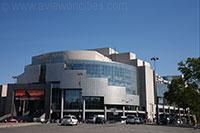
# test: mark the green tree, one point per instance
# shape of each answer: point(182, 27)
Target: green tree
point(184, 92)
point(191, 71)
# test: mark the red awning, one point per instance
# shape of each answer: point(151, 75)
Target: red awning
point(20, 93)
point(35, 92)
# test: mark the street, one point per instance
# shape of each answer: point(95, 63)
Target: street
point(96, 128)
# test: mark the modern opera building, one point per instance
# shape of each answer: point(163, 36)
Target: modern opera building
point(96, 81)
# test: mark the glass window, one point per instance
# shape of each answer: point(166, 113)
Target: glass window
point(129, 107)
point(72, 99)
point(118, 74)
point(94, 102)
point(56, 98)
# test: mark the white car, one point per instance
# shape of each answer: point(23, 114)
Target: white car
point(69, 120)
point(123, 119)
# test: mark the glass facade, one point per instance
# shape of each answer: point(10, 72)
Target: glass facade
point(129, 107)
point(94, 102)
point(161, 89)
point(72, 99)
point(118, 74)
point(56, 98)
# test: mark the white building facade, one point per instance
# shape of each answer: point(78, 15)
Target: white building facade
point(97, 81)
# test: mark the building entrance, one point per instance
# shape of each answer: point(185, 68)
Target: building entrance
point(29, 103)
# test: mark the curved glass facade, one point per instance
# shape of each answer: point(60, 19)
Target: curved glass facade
point(118, 74)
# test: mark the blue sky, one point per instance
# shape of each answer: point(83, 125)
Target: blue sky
point(168, 29)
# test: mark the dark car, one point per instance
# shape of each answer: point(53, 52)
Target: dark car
point(137, 120)
point(130, 119)
point(26, 118)
point(91, 119)
point(141, 120)
point(100, 120)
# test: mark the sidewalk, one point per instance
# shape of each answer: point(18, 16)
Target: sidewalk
point(7, 125)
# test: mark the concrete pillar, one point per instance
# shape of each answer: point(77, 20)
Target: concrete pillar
point(163, 109)
point(123, 110)
point(137, 110)
point(62, 104)
point(184, 112)
point(20, 106)
point(105, 113)
point(169, 110)
point(50, 102)
point(83, 110)
point(23, 107)
point(47, 105)
point(12, 104)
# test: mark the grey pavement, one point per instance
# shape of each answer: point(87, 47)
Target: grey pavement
point(93, 128)
point(9, 125)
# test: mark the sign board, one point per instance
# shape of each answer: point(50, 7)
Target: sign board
point(4, 90)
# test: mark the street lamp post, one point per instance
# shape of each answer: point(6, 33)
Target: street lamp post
point(154, 59)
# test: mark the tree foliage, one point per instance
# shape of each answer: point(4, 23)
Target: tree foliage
point(184, 91)
point(191, 71)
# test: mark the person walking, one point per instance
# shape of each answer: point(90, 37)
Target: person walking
point(195, 121)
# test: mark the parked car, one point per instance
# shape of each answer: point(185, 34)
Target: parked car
point(137, 120)
point(130, 119)
point(141, 120)
point(123, 119)
point(91, 119)
point(25, 118)
point(179, 121)
point(69, 120)
point(100, 120)
point(11, 120)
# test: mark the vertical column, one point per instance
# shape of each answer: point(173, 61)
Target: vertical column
point(83, 110)
point(163, 109)
point(157, 107)
point(169, 110)
point(23, 107)
point(12, 103)
point(184, 112)
point(105, 113)
point(50, 101)
point(20, 106)
point(123, 110)
point(62, 103)
point(137, 109)
point(47, 105)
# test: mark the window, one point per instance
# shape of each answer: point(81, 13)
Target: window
point(118, 74)
point(129, 107)
point(72, 99)
point(56, 98)
point(94, 102)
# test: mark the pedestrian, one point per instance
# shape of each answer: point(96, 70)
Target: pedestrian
point(79, 118)
point(195, 121)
